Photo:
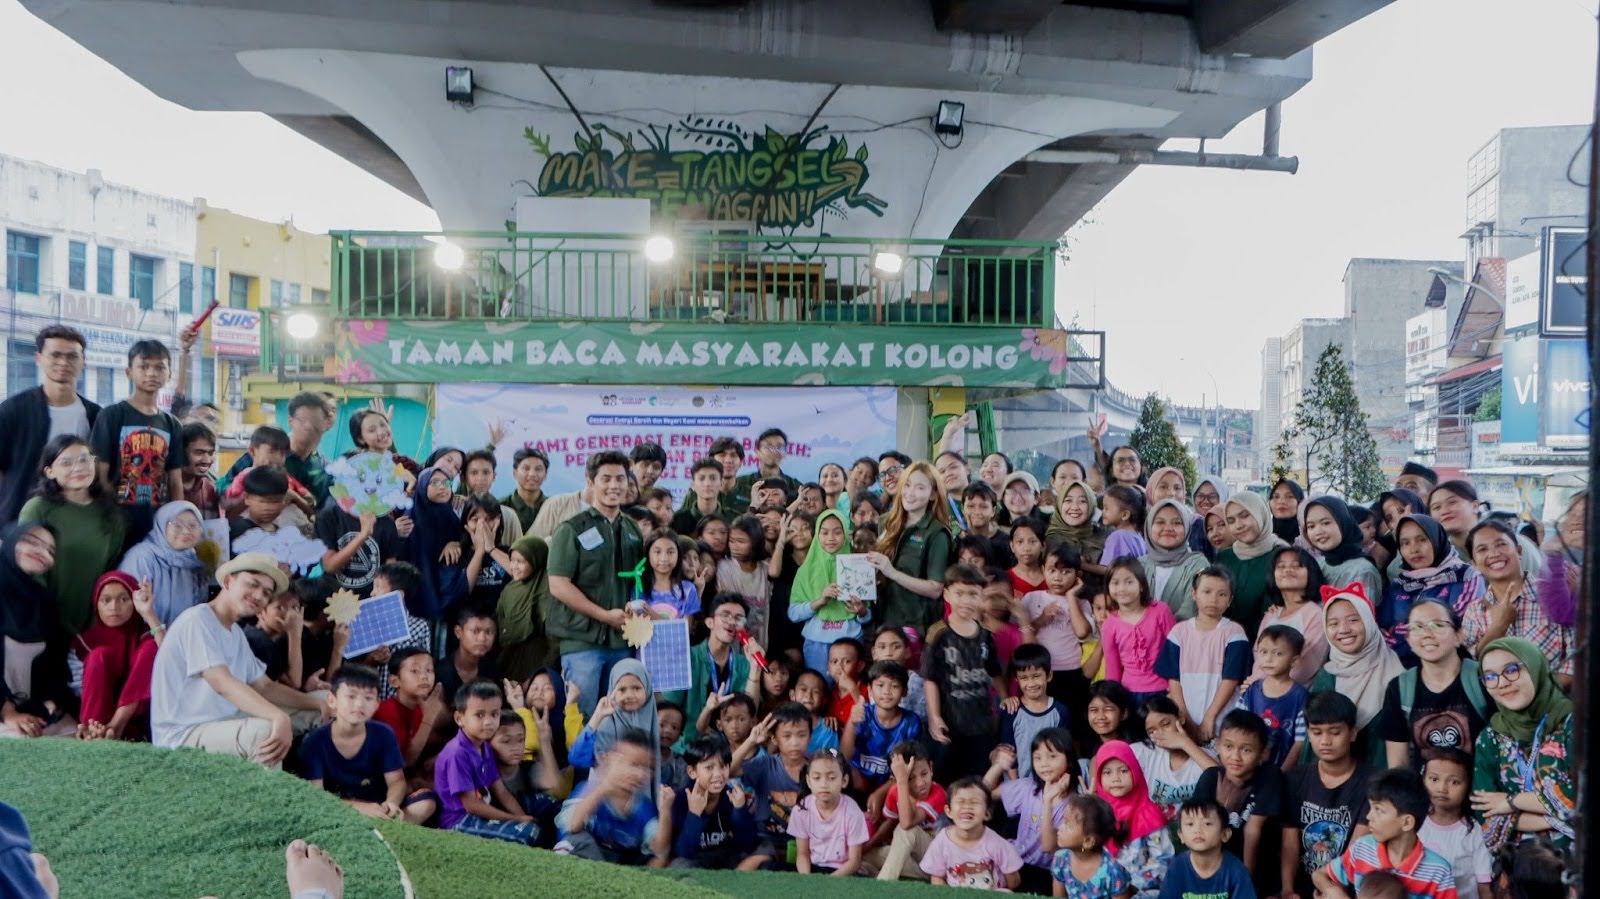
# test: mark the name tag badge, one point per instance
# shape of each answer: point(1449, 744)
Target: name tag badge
point(916, 538)
point(590, 539)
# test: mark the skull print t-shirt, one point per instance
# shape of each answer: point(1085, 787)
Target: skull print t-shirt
point(1436, 719)
point(140, 449)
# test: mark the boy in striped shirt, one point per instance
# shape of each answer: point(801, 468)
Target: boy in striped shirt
point(1397, 804)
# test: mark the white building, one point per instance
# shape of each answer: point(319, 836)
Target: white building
point(115, 263)
point(1269, 421)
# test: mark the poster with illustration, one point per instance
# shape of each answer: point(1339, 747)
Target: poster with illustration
point(369, 482)
point(856, 577)
point(823, 424)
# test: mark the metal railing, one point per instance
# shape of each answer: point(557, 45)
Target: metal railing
point(715, 277)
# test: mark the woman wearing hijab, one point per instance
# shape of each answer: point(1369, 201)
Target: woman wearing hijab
point(627, 709)
point(27, 606)
point(1249, 559)
point(166, 558)
point(1171, 563)
point(1144, 844)
point(1074, 524)
point(519, 613)
point(1360, 665)
point(1430, 569)
point(1393, 505)
point(436, 548)
point(1522, 783)
point(116, 655)
point(1165, 483)
point(1332, 531)
point(1208, 494)
point(1284, 501)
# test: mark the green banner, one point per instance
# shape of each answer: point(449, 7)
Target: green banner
point(381, 351)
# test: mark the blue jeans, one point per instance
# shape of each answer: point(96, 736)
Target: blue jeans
point(589, 669)
point(509, 831)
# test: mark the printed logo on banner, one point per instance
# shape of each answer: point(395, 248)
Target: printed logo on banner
point(824, 424)
point(235, 332)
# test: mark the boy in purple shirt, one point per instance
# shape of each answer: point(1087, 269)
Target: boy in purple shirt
point(472, 798)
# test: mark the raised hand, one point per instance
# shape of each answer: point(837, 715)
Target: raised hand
point(736, 795)
point(515, 697)
point(899, 767)
point(698, 797)
point(858, 712)
point(497, 432)
point(762, 732)
point(1005, 758)
point(603, 709)
point(433, 708)
point(144, 602)
point(541, 723)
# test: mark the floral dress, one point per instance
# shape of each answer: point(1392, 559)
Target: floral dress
point(1110, 881)
point(1501, 765)
point(1146, 861)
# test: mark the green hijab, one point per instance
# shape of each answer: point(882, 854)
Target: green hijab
point(520, 614)
point(1549, 702)
point(821, 569)
point(1083, 537)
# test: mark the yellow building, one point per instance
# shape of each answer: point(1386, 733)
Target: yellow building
point(250, 265)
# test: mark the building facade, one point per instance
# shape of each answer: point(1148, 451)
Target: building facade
point(114, 262)
point(1269, 420)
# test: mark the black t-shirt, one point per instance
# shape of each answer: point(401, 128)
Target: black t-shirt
point(491, 580)
point(1436, 719)
point(140, 449)
point(337, 528)
point(964, 668)
point(273, 652)
point(1264, 796)
point(1326, 817)
point(782, 633)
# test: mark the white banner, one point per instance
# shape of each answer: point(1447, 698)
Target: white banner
point(824, 424)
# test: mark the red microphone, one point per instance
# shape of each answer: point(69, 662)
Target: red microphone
point(744, 641)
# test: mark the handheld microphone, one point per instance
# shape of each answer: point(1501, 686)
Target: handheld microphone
point(744, 640)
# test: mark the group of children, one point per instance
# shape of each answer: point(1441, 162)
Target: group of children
point(1066, 720)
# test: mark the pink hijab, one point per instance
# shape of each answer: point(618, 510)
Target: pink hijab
point(1137, 811)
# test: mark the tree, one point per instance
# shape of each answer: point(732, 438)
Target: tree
point(1489, 405)
point(1339, 453)
point(1157, 441)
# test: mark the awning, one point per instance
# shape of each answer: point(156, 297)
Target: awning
point(1468, 370)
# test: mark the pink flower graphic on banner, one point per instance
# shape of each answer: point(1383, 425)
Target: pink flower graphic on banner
point(1045, 343)
point(366, 333)
point(353, 371)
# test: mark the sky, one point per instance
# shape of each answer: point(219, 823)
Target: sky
point(1396, 105)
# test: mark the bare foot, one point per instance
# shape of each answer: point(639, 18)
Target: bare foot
point(47, 877)
point(310, 868)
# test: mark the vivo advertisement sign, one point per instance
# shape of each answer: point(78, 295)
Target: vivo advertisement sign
point(1565, 391)
point(1519, 395)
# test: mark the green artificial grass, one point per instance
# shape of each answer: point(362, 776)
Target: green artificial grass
point(127, 820)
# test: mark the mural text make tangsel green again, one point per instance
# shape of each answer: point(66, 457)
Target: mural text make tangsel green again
point(772, 179)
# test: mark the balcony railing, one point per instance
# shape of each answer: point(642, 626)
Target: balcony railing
point(716, 278)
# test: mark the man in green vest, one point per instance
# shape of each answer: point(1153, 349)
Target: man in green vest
point(587, 553)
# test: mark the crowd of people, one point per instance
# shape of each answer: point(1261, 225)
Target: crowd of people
point(1113, 684)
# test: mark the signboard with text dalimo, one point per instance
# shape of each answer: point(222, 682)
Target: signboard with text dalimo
point(236, 332)
point(1565, 283)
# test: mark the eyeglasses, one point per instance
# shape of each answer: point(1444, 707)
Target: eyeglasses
point(891, 471)
point(775, 447)
point(1509, 675)
point(84, 461)
point(184, 527)
point(730, 617)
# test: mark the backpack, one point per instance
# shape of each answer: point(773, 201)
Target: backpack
point(1470, 682)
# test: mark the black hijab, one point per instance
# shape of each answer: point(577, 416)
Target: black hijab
point(1413, 504)
point(26, 604)
point(1288, 529)
point(1350, 538)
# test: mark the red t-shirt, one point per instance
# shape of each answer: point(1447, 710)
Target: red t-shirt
point(932, 807)
point(1020, 585)
point(843, 704)
point(403, 721)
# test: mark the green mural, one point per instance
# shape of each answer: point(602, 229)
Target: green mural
point(778, 181)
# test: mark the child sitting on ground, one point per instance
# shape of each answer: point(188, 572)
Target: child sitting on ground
point(356, 758)
point(712, 824)
point(829, 828)
point(731, 715)
point(1397, 805)
point(279, 638)
point(1036, 800)
point(475, 632)
point(416, 712)
point(117, 654)
point(910, 816)
point(1083, 868)
point(613, 818)
point(968, 853)
point(472, 797)
point(1206, 869)
point(529, 782)
point(877, 727)
point(1449, 831)
point(669, 722)
point(774, 779)
point(1142, 843)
